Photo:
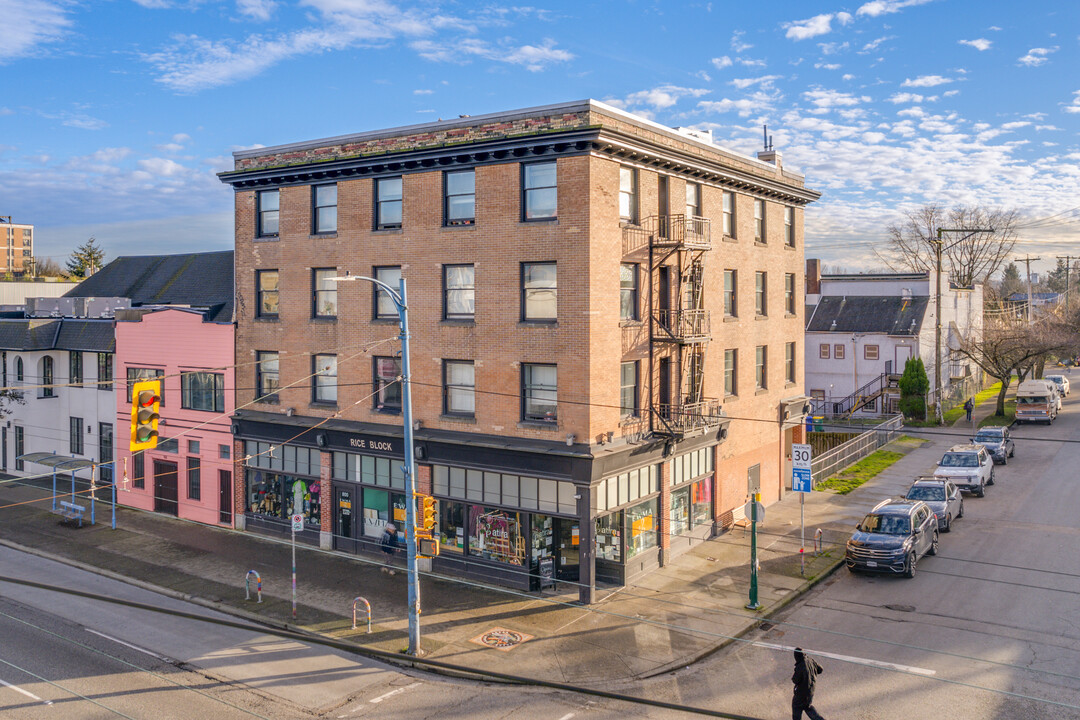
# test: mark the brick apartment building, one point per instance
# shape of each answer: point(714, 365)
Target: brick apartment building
point(16, 246)
point(606, 325)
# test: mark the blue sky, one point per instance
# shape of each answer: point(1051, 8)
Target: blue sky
point(115, 115)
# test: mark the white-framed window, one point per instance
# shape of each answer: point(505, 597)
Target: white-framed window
point(628, 194)
point(324, 381)
point(324, 208)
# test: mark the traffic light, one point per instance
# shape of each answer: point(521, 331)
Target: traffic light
point(145, 403)
point(427, 547)
point(427, 513)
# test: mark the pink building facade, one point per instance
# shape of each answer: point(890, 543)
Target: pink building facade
point(190, 473)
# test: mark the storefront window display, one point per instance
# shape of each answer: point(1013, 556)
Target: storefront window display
point(280, 496)
point(496, 534)
point(680, 511)
point(543, 537)
point(451, 526)
point(609, 537)
point(641, 520)
point(701, 501)
point(380, 508)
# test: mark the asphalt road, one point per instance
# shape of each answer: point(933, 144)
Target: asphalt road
point(74, 658)
point(988, 629)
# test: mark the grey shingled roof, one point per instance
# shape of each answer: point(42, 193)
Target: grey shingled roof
point(889, 315)
point(202, 280)
point(55, 334)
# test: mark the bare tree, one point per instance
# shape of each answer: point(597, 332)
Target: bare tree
point(912, 244)
point(1009, 345)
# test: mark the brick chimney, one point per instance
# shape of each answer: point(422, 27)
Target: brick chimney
point(813, 276)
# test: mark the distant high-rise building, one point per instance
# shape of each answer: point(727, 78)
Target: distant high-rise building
point(17, 243)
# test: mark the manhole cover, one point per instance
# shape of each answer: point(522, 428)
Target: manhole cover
point(501, 639)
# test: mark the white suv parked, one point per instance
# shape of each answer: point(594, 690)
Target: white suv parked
point(968, 467)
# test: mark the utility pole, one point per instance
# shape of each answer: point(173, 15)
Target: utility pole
point(1068, 285)
point(1027, 261)
point(939, 250)
point(399, 299)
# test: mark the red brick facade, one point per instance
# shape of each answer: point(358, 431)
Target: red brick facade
point(587, 241)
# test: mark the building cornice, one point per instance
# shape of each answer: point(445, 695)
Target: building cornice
point(594, 139)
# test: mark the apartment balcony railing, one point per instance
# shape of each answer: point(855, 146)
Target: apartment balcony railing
point(677, 232)
point(681, 326)
point(687, 419)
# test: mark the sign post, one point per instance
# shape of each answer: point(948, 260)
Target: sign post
point(297, 524)
point(801, 482)
point(756, 512)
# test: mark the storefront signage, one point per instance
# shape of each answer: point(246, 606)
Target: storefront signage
point(368, 444)
point(547, 572)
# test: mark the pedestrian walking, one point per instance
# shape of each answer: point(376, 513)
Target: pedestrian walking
point(968, 407)
point(806, 672)
point(388, 543)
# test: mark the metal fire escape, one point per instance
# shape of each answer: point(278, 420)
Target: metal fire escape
point(679, 327)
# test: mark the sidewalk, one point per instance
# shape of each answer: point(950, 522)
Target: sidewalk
point(983, 410)
point(671, 618)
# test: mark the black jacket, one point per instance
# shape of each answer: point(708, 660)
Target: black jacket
point(806, 672)
point(387, 542)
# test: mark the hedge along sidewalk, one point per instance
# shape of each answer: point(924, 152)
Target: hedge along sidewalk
point(866, 469)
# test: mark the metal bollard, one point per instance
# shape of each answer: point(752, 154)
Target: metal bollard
point(247, 585)
point(818, 542)
point(356, 602)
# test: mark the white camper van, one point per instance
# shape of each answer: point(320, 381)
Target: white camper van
point(1036, 401)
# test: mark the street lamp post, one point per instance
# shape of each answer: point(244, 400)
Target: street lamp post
point(400, 303)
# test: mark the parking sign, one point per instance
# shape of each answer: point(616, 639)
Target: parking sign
point(298, 523)
point(800, 468)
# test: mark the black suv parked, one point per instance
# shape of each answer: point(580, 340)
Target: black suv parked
point(892, 538)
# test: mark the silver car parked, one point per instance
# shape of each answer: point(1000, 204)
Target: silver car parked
point(942, 497)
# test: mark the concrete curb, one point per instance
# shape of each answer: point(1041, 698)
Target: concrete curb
point(754, 624)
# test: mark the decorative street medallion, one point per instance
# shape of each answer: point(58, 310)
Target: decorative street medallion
point(501, 639)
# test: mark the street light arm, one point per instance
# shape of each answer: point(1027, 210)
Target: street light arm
point(394, 295)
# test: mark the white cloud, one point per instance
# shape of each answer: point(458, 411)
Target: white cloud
point(811, 27)
point(194, 63)
point(721, 62)
point(979, 43)
point(765, 81)
point(6, 111)
point(926, 81)
point(833, 48)
point(950, 93)
point(824, 99)
point(827, 66)
point(663, 96)
point(256, 9)
point(874, 44)
point(847, 76)
point(886, 7)
point(906, 98)
point(1037, 56)
point(1074, 106)
point(79, 120)
point(737, 44)
point(422, 92)
point(1015, 125)
point(162, 167)
point(756, 103)
point(30, 23)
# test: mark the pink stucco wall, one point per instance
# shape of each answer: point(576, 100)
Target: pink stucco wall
point(177, 341)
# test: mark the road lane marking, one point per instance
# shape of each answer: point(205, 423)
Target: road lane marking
point(27, 693)
point(127, 644)
point(567, 716)
point(392, 693)
point(852, 659)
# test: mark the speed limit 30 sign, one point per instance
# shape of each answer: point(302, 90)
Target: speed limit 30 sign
point(800, 468)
